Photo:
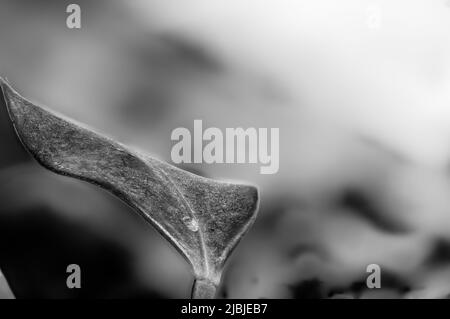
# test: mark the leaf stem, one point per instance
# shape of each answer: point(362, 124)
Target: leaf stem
point(203, 289)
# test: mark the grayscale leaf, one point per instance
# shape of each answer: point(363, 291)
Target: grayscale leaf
point(5, 291)
point(203, 218)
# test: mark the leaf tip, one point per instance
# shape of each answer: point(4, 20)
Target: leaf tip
point(252, 194)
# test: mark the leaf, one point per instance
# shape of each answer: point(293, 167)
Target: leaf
point(203, 218)
point(5, 291)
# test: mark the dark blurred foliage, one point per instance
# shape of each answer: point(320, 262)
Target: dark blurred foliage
point(13, 152)
point(308, 289)
point(37, 246)
point(363, 203)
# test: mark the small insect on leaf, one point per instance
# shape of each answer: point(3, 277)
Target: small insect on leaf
point(203, 218)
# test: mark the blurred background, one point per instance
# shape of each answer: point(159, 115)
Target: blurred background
point(359, 89)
